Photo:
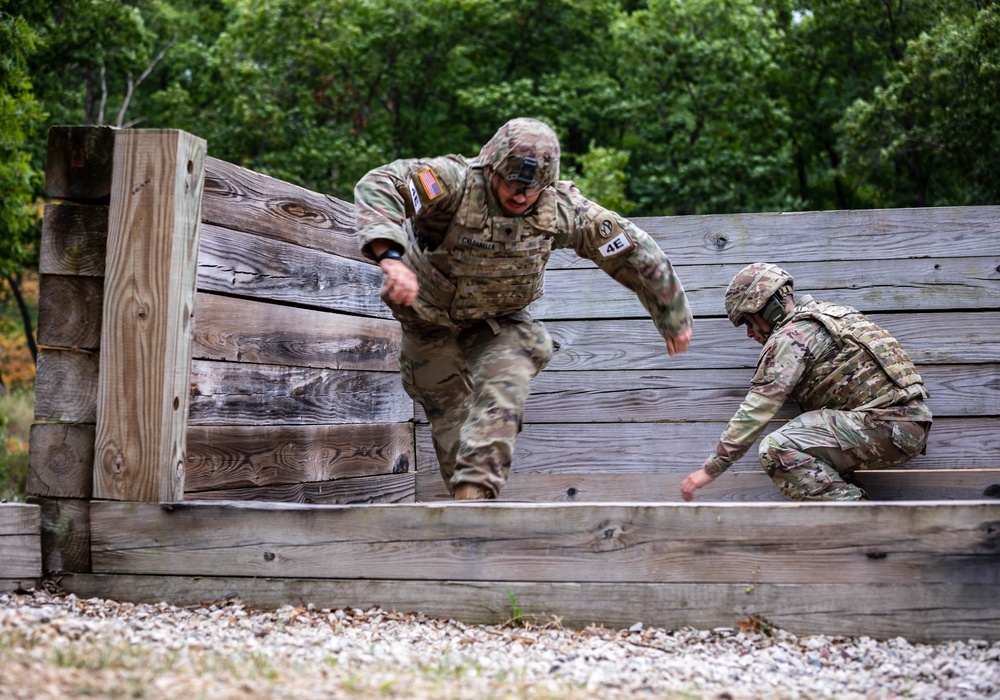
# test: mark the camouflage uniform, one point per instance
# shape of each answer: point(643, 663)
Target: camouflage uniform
point(469, 347)
point(861, 395)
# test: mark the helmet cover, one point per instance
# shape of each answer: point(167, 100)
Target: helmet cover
point(752, 287)
point(524, 150)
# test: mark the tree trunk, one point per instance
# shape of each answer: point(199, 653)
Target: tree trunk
point(14, 280)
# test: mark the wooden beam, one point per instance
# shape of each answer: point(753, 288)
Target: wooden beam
point(69, 311)
point(918, 612)
point(79, 162)
point(61, 460)
point(153, 231)
point(240, 456)
point(382, 488)
point(65, 529)
point(20, 540)
point(74, 240)
point(917, 542)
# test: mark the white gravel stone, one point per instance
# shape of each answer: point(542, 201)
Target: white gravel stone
point(59, 646)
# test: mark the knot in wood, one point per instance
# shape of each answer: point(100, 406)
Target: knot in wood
point(268, 556)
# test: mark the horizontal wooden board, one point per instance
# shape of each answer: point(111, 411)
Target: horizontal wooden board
point(226, 393)
point(243, 264)
point(931, 284)
point(918, 542)
point(657, 448)
point(916, 612)
point(629, 396)
point(855, 235)
point(617, 344)
point(74, 239)
point(242, 199)
point(382, 488)
point(238, 456)
point(20, 540)
point(66, 385)
point(732, 487)
point(244, 330)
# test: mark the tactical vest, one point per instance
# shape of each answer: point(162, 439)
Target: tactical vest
point(486, 266)
point(869, 361)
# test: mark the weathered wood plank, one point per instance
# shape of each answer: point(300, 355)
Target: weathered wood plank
point(153, 231)
point(74, 240)
point(65, 529)
point(382, 488)
point(232, 262)
point(597, 344)
point(882, 234)
point(923, 612)
point(735, 487)
point(241, 330)
point(656, 448)
point(20, 540)
point(242, 199)
point(61, 460)
point(70, 311)
point(885, 285)
point(226, 393)
point(237, 456)
point(79, 162)
point(630, 396)
point(925, 542)
point(66, 385)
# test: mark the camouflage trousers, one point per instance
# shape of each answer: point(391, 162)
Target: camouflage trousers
point(472, 384)
point(809, 457)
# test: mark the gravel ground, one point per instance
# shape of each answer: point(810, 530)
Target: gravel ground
point(58, 646)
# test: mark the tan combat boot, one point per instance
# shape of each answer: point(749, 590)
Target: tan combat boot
point(471, 492)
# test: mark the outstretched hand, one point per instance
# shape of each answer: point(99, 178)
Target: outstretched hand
point(694, 481)
point(399, 283)
point(679, 343)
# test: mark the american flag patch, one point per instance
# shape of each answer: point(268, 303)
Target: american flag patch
point(430, 183)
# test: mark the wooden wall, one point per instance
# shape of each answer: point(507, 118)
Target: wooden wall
point(615, 418)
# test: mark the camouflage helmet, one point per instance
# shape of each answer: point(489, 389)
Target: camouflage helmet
point(752, 287)
point(524, 150)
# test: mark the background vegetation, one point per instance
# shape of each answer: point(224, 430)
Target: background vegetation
point(664, 107)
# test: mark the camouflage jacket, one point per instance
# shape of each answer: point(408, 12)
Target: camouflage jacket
point(823, 364)
point(387, 206)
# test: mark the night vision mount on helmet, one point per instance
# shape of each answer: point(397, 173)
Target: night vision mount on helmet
point(525, 151)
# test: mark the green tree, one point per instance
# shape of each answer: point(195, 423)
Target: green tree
point(931, 135)
point(20, 116)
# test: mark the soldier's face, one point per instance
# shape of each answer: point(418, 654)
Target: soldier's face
point(514, 197)
point(757, 328)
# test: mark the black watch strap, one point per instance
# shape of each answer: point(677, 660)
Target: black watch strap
point(391, 253)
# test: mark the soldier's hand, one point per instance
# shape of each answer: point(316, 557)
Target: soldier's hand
point(694, 481)
point(679, 343)
point(399, 283)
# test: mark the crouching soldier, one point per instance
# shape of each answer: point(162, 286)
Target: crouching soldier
point(862, 398)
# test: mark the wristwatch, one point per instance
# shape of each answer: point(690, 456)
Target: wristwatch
point(391, 253)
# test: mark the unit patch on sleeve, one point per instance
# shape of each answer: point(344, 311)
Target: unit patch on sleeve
point(617, 245)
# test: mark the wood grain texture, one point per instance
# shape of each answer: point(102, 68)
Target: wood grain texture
point(917, 612)
point(732, 487)
point(242, 264)
point(74, 240)
point(928, 284)
point(70, 310)
point(20, 543)
point(226, 393)
point(918, 542)
point(153, 232)
point(841, 237)
point(239, 456)
point(243, 330)
point(66, 385)
point(61, 460)
point(382, 488)
point(242, 199)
